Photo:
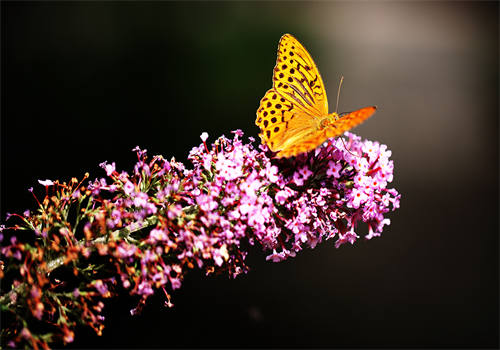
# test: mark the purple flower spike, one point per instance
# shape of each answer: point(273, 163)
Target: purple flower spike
point(151, 225)
point(291, 203)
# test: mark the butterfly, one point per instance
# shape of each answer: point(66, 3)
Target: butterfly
point(293, 116)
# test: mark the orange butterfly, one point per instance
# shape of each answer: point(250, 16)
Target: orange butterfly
point(293, 115)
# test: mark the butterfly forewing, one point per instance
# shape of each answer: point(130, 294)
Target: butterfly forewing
point(292, 109)
point(297, 78)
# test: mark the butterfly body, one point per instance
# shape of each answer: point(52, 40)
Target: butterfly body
point(293, 115)
point(328, 121)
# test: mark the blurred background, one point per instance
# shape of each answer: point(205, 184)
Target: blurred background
point(85, 82)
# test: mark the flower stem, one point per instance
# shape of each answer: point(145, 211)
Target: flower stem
point(58, 262)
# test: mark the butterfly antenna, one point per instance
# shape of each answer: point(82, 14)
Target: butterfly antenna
point(336, 111)
point(338, 94)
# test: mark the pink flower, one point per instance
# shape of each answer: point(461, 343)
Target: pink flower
point(101, 287)
point(157, 235)
point(206, 203)
point(333, 169)
point(128, 188)
point(175, 283)
point(301, 175)
point(358, 197)
point(145, 289)
point(276, 257)
point(162, 219)
point(109, 168)
point(281, 196)
point(349, 236)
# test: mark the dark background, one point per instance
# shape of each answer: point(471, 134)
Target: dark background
point(86, 82)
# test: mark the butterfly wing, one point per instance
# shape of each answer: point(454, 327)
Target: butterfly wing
point(296, 77)
point(349, 120)
point(299, 133)
point(292, 109)
point(302, 140)
point(281, 124)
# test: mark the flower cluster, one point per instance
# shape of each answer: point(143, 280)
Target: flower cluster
point(142, 231)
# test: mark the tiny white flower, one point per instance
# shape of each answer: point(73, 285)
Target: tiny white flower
point(46, 182)
point(204, 136)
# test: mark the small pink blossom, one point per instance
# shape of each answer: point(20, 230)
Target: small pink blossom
point(334, 168)
point(349, 236)
point(101, 287)
point(109, 168)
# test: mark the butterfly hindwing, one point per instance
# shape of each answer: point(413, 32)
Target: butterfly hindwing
point(280, 124)
point(308, 142)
